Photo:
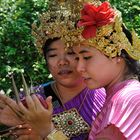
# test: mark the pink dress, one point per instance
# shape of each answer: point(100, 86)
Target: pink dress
point(120, 116)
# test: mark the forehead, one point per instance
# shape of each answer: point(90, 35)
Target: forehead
point(58, 45)
point(83, 49)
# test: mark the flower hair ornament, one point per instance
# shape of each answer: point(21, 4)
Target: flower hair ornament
point(102, 28)
point(59, 21)
point(98, 26)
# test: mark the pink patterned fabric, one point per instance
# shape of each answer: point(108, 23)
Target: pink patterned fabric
point(121, 113)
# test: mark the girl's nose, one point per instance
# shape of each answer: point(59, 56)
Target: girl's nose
point(63, 61)
point(80, 67)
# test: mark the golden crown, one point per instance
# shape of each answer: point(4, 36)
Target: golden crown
point(102, 29)
point(59, 21)
point(98, 26)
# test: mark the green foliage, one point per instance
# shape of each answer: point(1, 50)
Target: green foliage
point(17, 50)
point(130, 12)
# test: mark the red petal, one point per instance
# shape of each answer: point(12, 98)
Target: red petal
point(87, 18)
point(83, 23)
point(104, 6)
point(90, 10)
point(89, 32)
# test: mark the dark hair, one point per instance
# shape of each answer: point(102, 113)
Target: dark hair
point(47, 44)
point(133, 65)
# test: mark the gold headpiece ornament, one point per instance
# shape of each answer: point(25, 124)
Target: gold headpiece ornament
point(99, 26)
point(102, 28)
point(59, 21)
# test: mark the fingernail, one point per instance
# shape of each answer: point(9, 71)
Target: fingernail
point(10, 131)
point(15, 136)
point(20, 126)
point(30, 129)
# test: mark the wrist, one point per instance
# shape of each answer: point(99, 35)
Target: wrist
point(47, 131)
point(56, 135)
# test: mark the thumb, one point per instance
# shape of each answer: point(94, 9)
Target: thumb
point(49, 103)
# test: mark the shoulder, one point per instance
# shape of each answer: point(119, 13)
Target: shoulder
point(97, 97)
point(97, 92)
point(100, 95)
point(128, 98)
point(128, 95)
point(125, 110)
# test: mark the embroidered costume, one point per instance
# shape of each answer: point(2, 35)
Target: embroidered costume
point(100, 26)
point(103, 29)
point(121, 109)
point(90, 108)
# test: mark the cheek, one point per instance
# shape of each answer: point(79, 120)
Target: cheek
point(52, 62)
point(98, 70)
point(106, 74)
point(52, 66)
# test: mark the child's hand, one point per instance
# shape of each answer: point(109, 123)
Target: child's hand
point(9, 112)
point(37, 116)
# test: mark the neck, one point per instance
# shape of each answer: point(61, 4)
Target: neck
point(121, 76)
point(69, 92)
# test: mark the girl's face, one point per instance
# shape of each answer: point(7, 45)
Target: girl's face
point(97, 69)
point(62, 64)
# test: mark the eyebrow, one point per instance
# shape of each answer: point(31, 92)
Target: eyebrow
point(83, 51)
point(51, 49)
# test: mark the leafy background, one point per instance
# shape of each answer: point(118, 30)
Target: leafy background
point(17, 50)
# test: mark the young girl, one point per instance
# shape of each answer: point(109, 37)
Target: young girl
point(74, 105)
point(108, 57)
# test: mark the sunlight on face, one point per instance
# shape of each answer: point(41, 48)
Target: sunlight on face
point(61, 63)
point(97, 69)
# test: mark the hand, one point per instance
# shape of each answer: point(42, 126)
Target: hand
point(29, 137)
point(39, 118)
point(25, 132)
point(9, 111)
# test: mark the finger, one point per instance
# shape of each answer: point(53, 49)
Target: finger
point(6, 99)
point(2, 105)
point(11, 107)
point(22, 131)
point(37, 102)
point(49, 103)
point(30, 103)
point(10, 102)
point(24, 137)
point(23, 109)
point(24, 125)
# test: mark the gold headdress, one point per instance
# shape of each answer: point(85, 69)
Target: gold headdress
point(100, 26)
point(59, 21)
point(102, 29)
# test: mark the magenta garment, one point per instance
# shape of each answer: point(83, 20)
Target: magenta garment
point(121, 109)
point(90, 108)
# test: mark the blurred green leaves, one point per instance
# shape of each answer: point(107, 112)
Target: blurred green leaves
point(17, 51)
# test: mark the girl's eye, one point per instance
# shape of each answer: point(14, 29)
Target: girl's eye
point(77, 58)
point(53, 55)
point(70, 53)
point(87, 57)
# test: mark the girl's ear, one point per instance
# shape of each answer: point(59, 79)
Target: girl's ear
point(117, 59)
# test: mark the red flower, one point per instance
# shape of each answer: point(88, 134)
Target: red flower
point(93, 17)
